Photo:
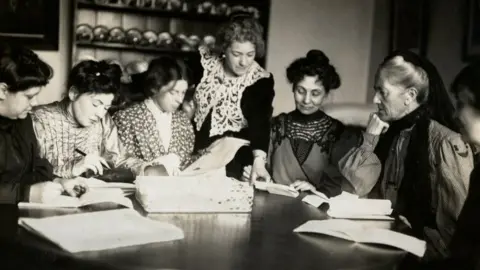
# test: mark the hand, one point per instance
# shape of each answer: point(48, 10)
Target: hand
point(74, 187)
point(90, 162)
point(301, 185)
point(157, 170)
point(44, 191)
point(259, 172)
point(170, 162)
point(405, 220)
point(189, 108)
point(375, 125)
point(247, 172)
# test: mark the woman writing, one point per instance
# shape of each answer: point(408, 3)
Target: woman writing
point(76, 134)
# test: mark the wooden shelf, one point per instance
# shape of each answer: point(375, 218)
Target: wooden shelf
point(131, 48)
point(191, 16)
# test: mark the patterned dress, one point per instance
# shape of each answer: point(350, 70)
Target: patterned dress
point(140, 129)
point(307, 148)
point(59, 135)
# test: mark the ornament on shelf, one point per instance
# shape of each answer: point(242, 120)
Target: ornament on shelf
point(174, 5)
point(223, 9)
point(134, 36)
point(100, 33)
point(160, 4)
point(205, 8)
point(150, 38)
point(194, 41)
point(165, 40)
point(116, 35)
point(209, 41)
point(84, 32)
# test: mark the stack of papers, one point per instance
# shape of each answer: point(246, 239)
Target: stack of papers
point(353, 231)
point(208, 192)
point(99, 192)
point(349, 206)
point(101, 230)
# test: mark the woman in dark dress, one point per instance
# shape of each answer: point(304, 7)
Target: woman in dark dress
point(464, 248)
point(234, 97)
point(24, 176)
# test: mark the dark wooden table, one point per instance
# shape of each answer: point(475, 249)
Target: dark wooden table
point(263, 239)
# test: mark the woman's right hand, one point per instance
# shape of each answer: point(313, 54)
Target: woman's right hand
point(90, 162)
point(376, 126)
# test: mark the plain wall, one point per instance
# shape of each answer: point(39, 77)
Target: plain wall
point(341, 28)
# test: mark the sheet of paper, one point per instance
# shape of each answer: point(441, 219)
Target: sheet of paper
point(314, 200)
point(94, 231)
point(218, 155)
point(350, 230)
point(276, 188)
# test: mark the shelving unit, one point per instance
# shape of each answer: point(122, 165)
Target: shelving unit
point(157, 20)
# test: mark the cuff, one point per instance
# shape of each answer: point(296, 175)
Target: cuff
point(370, 141)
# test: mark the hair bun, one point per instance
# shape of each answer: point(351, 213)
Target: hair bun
point(318, 56)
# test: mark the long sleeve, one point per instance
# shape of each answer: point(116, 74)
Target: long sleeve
point(455, 167)
point(334, 181)
point(257, 108)
point(186, 139)
point(113, 149)
point(361, 167)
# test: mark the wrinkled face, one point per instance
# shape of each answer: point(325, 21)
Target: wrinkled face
point(19, 104)
point(309, 95)
point(239, 57)
point(171, 96)
point(469, 117)
point(88, 109)
point(390, 99)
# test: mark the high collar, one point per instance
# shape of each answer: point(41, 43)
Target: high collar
point(409, 120)
point(298, 116)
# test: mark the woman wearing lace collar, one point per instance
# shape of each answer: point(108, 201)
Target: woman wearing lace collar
point(234, 97)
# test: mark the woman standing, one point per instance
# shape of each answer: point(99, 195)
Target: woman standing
point(234, 97)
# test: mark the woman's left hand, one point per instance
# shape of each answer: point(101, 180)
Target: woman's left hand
point(259, 171)
point(75, 187)
point(302, 185)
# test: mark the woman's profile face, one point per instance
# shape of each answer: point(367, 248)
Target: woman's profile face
point(239, 56)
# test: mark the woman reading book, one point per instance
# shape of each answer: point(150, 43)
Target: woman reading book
point(153, 128)
point(24, 175)
point(306, 144)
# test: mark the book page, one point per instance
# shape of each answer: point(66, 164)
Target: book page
point(94, 231)
point(353, 231)
point(277, 188)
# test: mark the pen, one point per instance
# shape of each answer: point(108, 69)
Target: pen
point(83, 154)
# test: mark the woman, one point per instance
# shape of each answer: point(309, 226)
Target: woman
point(154, 128)
point(305, 144)
point(411, 154)
point(24, 175)
point(76, 134)
point(235, 95)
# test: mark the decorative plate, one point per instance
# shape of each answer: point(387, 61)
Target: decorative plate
point(84, 32)
point(100, 33)
point(117, 35)
point(134, 36)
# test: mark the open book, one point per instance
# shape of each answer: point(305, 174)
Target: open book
point(353, 231)
point(101, 230)
point(99, 192)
